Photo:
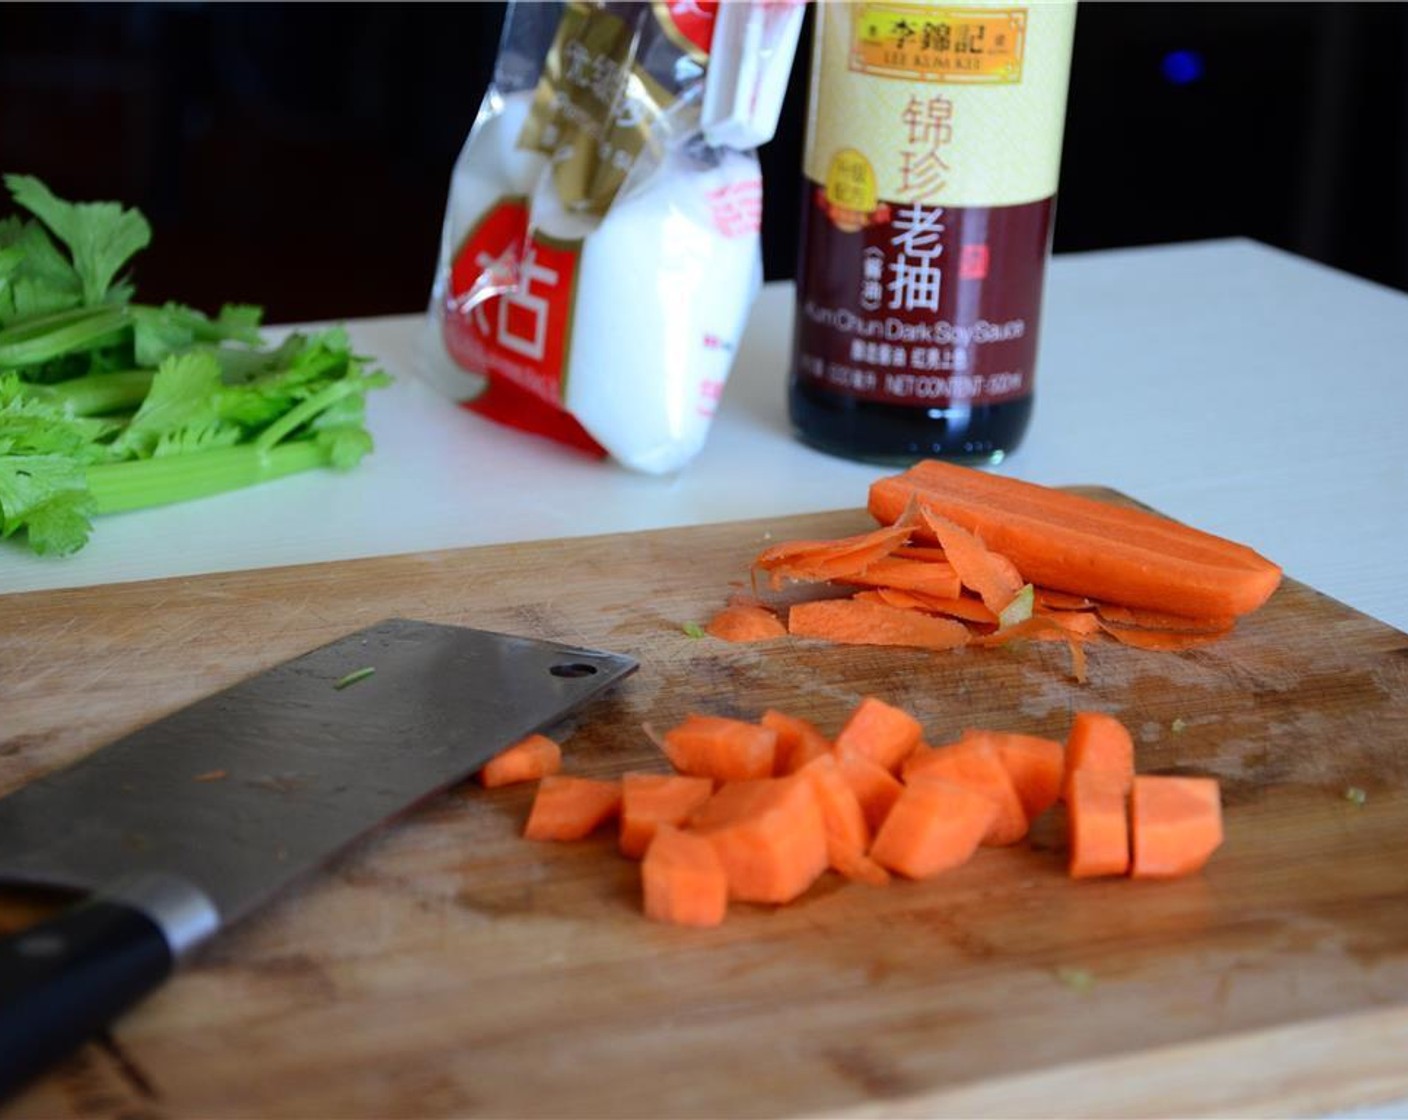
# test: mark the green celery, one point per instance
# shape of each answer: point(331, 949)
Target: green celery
point(140, 483)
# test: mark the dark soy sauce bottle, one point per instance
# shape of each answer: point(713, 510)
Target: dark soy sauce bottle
point(930, 166)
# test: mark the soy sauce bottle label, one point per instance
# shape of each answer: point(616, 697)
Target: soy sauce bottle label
point(931, 159)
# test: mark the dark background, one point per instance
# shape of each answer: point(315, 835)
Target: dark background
point(298, 155)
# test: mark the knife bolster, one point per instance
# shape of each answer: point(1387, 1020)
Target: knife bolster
point(181, 910)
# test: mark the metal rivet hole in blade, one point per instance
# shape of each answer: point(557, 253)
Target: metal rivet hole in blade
point(573, 669)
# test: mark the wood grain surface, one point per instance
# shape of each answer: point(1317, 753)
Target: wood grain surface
point(448, 967)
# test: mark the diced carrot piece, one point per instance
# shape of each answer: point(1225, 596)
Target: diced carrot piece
point(651, 800)
point(1098, 741)
point(881, 732)
point(875, 788)
point(798, 741)
point(975, 765)
point(847, 834)
point(935, 825)
point(745, 622)
point(859, 868)
point(1035, 765)
point(683, 880)
point(527, 760)
point(727, 750)
point(1098, 824)
point(769, 835)
point(567, 808)
point(1175, 825)
point(849, 622)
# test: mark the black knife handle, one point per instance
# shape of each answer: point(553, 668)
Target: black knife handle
point(64, 979)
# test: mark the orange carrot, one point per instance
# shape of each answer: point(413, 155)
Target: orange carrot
point(651, 800)
point(1061, 600)
point(1175, 825)
point(932, 577)
point(1081, 623)
point(526, 761)
point(568, 808)
point(745, 622)
point(847, 834)
point(1117, 615)
point(1075, 544)
point(875, 788)
point(935, 825)
point(880, 731)
point(856, 623)
point(1098, 741)
point(798, 741)
point(769, 835)
point(1097, 824)
point(994, 578)
point(717, 747)
point(1035, 765)
point(975, 765)
point(836, 559)
point(958, 606)
point(683, 880)
point(1161, 640)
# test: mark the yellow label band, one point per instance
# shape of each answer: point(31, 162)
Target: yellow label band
point(954, 105)
point(939, 44)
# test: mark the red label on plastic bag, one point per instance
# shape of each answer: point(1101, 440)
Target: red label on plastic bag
point(518, 334)
point(689, 22)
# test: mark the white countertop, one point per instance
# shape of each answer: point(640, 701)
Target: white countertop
point(1248, 392)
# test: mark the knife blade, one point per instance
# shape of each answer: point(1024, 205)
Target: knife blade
point(190, 823)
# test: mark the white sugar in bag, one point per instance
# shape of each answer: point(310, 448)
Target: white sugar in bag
point(601, 247)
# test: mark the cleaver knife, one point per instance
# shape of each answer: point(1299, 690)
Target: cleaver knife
point(187, 825)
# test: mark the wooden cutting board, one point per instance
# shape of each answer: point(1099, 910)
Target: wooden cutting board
point(448, 967)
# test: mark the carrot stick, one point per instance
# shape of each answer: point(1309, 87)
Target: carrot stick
point(1070, 543)
point(975, 765)
point(683, 880)
point(769, 836)
point(1175, 825)
point(798, 741)
point(855, 623)
point(526, 761)
point(651, 800)
point(881, 732)
point(935, 825)
point(567, 808)
point(1098, 741)
point(745, 622)
point(1098, 824)
point(721, 748)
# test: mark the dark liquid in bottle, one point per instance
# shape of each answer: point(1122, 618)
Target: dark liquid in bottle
point(901, 434)
point(916, 335)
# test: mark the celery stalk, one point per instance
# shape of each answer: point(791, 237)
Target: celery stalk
point(139, 483)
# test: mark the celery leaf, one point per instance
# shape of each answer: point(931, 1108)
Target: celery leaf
point(101, 236)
